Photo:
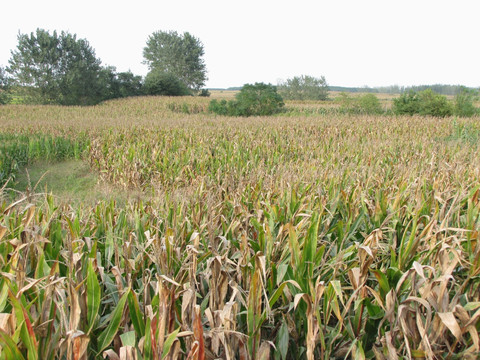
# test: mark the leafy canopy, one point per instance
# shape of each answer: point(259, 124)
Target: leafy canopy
point(304, 87)
point(4, 87)
point(363, 104)
point(253, 100)
point(464, 102)
point(166, 84)
point(56, 68)
point(424, 102)
point(180, 55)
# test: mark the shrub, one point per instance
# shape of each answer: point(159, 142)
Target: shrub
point(365, 104)
point(369, 104)
point(204, 93)
point(424, 102)
point(345, 101)
point(464, 106)
point(4, 97)
point(218, 107)
point(165, 84)
point(253, 100)
point(304, 88)
point(407, 104)
point(434, 104)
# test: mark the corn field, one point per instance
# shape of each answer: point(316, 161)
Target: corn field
point(288, 237)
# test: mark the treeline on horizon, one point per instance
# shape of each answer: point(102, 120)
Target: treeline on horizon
point(441, 89)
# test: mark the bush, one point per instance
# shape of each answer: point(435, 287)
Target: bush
point(165, 84)
point(4, 97)
point(204, 93)
point(423, 103)
point(304, 88)
point(464, 100)
point(369, 104)
point(407, 104)
point(218, 107)
point(434, 104)
point(253, 100)
point(365, 104)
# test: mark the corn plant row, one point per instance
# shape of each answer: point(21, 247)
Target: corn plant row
point(262, 238)
point(293, 275)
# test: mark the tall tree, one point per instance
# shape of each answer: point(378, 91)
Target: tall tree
point(56, 68)
point(180, 55)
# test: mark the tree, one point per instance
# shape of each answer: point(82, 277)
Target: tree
point(363, 104)
point(119, 85)
point(304, 88)
point(180, 55)
point(4, 87)
point(464, 102)
point(129, 84)
point(166, 84)
point(253, 100)
point(55, 68)
point(424, 102)
point(434, 104)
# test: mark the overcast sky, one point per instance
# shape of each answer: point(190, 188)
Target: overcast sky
point(350, 42)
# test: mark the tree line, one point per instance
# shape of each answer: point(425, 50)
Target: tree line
point(441, 89)
point(59, 68)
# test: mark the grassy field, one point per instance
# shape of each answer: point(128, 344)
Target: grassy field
point(159, 231)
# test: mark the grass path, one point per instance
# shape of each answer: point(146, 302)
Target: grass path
point(72, 181)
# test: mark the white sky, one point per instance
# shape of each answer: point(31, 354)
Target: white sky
point(350, 42)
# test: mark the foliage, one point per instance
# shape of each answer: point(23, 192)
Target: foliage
point(464, 103)
point(56, 68)
point(304, 87)
point(407, 103)
point(326, 237)
point(423, 103)
point(363, 104)
point(179, 55)
point(253, 100)
point(17, 151)
point(166, 84)
point(434, 104)
point(221, 107)
point(465, 132)
point(4, 87)
point(369, 104)
point(119, 85)
point(204, 93)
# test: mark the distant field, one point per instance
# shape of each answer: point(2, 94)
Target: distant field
point(187, 234)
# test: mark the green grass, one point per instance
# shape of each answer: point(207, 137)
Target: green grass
point(70, 181)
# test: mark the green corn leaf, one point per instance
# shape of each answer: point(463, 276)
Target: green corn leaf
point(9, 349)
point(147, 344)
point(93, 296)
point(26, 333)
point(282, 340)
point(108, 334)
point(128, 338)
point(169, 342)
point(28, 338)
point(135, 314)
point(382, 281)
